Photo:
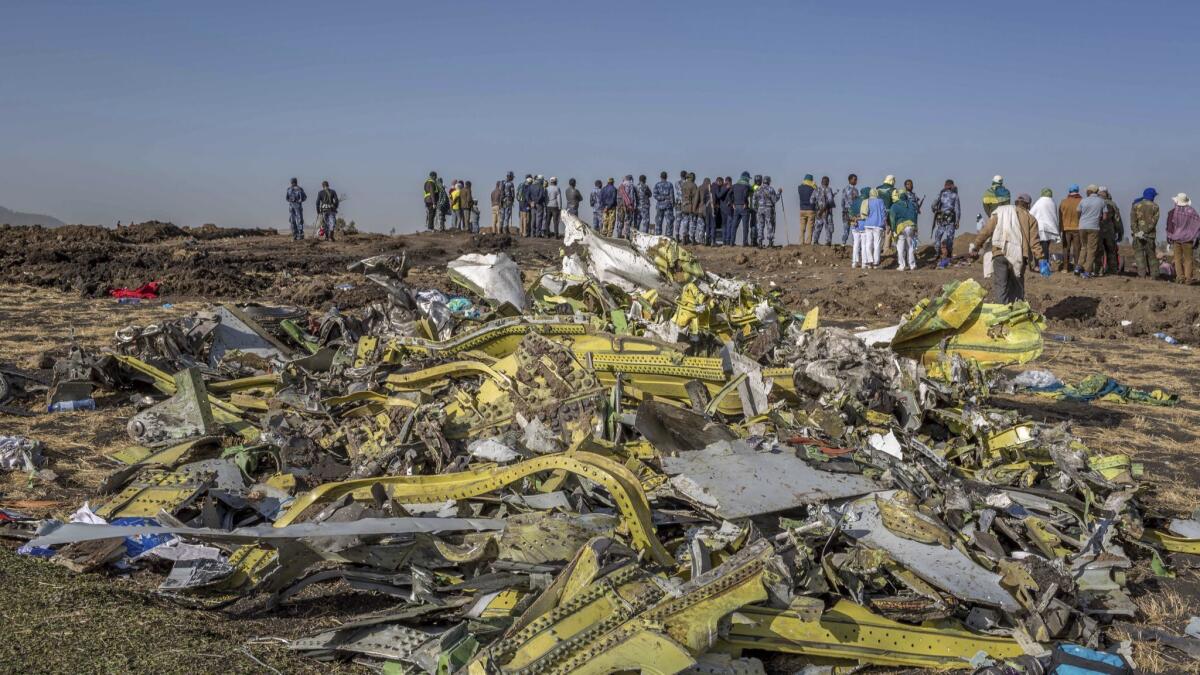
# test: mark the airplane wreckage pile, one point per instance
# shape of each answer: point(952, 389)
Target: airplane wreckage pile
point(625, 464)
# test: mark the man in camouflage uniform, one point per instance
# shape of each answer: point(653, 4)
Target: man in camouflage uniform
point(947, 215)
point(296, 198)
point(508, 194)
point(664, 199)
point(765, 198)
point(1143, 229)
point(823, 201)
point(626, 208)
point(1112, 231)
point(849, 215)
point(643, 204)
point(594, 202)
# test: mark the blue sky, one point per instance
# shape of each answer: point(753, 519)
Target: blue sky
point(200, 112)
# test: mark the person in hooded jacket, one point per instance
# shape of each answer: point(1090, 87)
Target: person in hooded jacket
point(1045, 212)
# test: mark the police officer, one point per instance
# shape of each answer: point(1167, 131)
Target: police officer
point(296, 199)
point(739, 197)
point(643, 204)
point(431, 198)
point(754, 224)
point(327, 207)
point(508, 194)
point(664, 199)
point(764, 203)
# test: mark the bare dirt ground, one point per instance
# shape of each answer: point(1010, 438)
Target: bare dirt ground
point(53, 288)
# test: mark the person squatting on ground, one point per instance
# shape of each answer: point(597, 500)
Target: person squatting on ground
point(823, 202)
point(1183, 229)
point(849, 211)
point(947, 216)
point(664, 202)
point(1016, 243)
point(1143, 230)
point(327, 208)
point(295, 199)
point(904, 218)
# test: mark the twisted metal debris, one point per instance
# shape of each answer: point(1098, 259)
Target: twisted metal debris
point(626, 463)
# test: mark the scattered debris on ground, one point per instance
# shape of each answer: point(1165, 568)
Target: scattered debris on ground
point(624, 462)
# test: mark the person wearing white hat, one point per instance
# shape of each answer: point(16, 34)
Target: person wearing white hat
point(996, 196)
point(1183, 229)
point(886, 188)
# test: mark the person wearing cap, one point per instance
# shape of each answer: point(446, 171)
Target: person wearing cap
point(1143, 231)
point(1015, 243)
point(1183, 229)
point(765, 198)
point(553, 209)
point(824, 201)
point(1090, 211)
point(755, 233)
point(886, 188)
point(947, 215)
point(1112, 231)
point(573, 197)
point(1045, 213)
point(808, 212)
point(608, 206)
point(508, 194)
point(1068, 221)
point(644, 195)
point(664, 201)
point(295, 200)
point(903, 214)
point(996, 195)
point(849, 212)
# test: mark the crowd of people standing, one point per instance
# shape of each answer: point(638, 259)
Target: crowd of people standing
point(874, 220)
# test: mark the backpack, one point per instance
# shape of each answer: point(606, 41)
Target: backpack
point(626, 198)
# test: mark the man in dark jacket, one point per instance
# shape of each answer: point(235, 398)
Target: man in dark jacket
point(739, 195)
point(431, 199)
point(327, 208)
point(295, 200)
point(608, 206)
point(574, 198)
point(535, 194)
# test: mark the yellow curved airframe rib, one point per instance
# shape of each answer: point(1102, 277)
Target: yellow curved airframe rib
point(619, 481)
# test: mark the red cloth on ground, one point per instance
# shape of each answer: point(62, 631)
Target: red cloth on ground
point(147, 291)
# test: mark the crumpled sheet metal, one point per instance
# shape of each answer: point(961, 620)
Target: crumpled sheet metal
point(615, 261)
point(959, 322)
point(494, 277)
point(947, 568)
point(765, 481)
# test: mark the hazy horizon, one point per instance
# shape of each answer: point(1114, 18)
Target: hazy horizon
point(198, 114)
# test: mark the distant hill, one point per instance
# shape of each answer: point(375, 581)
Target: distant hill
point(10, 217)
